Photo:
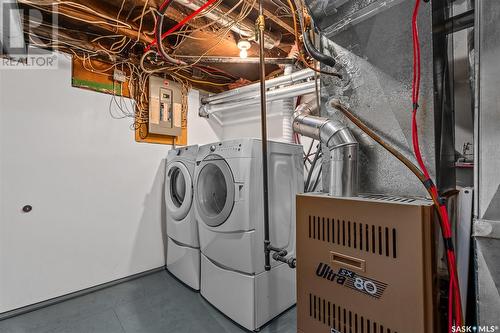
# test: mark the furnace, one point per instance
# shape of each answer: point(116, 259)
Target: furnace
point(365, 265)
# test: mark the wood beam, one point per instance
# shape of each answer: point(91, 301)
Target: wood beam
point(273, 18)
point(80, 15)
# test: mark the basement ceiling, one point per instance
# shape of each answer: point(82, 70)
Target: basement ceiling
point(118, 31)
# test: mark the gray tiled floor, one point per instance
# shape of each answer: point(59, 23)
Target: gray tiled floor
point(154, 303)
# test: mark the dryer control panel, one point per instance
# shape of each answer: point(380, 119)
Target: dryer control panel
point(227, 149)
point(183, 152)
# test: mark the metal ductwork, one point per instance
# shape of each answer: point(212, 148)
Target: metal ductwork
point(253, 98)
point(282, 87)
point(342, 149)
point(238, 93)
point(244, 28)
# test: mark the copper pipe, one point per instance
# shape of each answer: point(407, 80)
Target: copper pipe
point(261, 25)
point(409, 164)
point(348, 113)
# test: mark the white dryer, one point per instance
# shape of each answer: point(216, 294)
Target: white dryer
point(229, 210)
point(183, 247)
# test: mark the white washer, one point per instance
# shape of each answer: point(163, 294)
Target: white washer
point(183, 247)
point(229, 211)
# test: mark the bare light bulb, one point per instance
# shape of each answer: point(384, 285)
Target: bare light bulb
point(243, 53)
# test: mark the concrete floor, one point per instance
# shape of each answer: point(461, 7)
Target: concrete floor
point(154, 303)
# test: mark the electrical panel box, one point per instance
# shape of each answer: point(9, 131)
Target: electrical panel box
point(165, 107)
point(366, 265)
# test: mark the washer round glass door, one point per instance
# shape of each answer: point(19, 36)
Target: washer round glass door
point(214, 191)
point(179, 190)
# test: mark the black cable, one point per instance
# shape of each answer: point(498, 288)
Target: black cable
point(313, 165)
point(313, 52)
point(159, 27)
point(306, 155)
point(158, 33)
point(317, 179)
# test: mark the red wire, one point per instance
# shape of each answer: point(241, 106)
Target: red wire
point(164, 4)
point(450, 305)
point(180, 24)
point(454, 302)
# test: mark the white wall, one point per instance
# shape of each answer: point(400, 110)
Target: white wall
point(96, 193)
point(200, 130)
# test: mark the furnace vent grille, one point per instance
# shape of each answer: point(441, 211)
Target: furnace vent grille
point(387, 198)
point(341, 319)
point(361, 236)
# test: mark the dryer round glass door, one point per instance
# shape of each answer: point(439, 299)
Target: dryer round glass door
point(179, 190)
point(214, 192)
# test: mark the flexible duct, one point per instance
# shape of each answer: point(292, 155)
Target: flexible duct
point(342, 173)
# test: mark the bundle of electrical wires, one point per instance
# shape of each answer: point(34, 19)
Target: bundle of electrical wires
point(174, 66)
point(159, 36)
point(454, 304)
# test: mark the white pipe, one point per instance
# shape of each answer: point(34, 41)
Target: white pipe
point(239, 93)
point(286, 120)
point(272, 95)
point(245, 120)
point(288, 109)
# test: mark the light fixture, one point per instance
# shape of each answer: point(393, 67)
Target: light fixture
point(243, 45)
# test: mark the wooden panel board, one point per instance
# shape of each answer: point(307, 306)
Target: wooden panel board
point(160, 139)
point(97, 76)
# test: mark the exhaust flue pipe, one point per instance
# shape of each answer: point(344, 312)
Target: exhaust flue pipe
point(342, 175)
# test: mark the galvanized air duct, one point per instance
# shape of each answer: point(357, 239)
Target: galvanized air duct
point(238, 93)
point(253, 99)
point(244, 28)
point(342, 146)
